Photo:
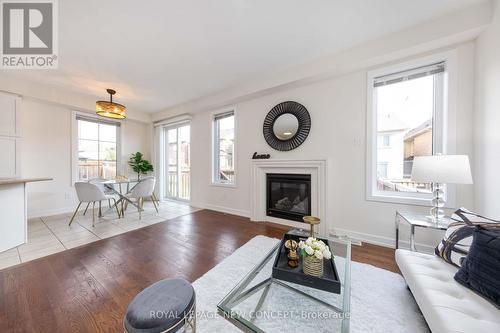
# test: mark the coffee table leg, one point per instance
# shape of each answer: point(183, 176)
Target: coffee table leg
point(412, 238)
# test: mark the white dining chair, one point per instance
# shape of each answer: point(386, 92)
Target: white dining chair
point(107, 191)
point(91, 193)
point(154, 195)
point(143, 189)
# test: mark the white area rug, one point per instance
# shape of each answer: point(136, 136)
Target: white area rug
point(380, 301)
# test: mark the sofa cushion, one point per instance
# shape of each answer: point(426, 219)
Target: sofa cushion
point(480, 271)
point(456, 242)
point(446, 305)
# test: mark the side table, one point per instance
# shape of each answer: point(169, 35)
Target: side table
point(418, 220)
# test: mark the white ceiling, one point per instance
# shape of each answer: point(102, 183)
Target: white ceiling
point(160, 53)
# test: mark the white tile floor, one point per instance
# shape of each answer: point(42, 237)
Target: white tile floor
point(51, 234)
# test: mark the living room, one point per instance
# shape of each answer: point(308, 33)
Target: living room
point(176, 157)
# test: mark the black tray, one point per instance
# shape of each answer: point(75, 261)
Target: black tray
point(328, 282)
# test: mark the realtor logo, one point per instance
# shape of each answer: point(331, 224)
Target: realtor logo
point(29, 34)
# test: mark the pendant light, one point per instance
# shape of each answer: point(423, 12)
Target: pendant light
point(110, 109)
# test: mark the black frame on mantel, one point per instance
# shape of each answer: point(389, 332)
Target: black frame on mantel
point(300, 112)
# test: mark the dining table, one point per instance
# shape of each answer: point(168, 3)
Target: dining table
point(116, 187)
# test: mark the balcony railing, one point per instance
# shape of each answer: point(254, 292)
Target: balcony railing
point(184, 184)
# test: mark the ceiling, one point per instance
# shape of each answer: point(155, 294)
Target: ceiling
point(161, 53)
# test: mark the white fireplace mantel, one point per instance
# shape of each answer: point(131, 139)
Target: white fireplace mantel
point(316, 168)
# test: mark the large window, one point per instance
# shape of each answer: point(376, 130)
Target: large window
point(224, 148)
point(407, 120)
point(97, 149)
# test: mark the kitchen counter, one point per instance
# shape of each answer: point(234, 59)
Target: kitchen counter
point(13, 211)
point(9, 181)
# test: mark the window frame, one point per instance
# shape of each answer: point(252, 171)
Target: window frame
point(76, 115)
point(214, 179)
point(443, 128)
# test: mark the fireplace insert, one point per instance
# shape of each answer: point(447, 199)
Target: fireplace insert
point(288, 196)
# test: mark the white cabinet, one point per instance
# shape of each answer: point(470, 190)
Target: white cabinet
point(9, 156)
point(9, 114)
point(9, 135)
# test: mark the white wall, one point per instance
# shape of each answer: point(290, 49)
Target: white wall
point(487, 119)
point(338, 111)
point(46, 152)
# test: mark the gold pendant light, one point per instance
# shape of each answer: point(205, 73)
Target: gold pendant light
point(110, 109)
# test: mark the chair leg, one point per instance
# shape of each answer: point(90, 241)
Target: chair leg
point(85, 211)
point(76, 211)
point(139, 207)
point(93, 214)
point(109, 203)
point(116, 206)
point(155, 198)
point(154, 203)
point(100, 209)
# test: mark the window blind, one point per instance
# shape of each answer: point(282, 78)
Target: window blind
point(223, 115)
point(97, 120)
point(409, 74)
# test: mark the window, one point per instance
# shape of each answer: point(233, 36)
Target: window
point(406, 114)
point(384, 140)
point(223, 148)
point(382, 169)
point(97, 147)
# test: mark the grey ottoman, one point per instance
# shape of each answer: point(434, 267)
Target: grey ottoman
point(166, 306)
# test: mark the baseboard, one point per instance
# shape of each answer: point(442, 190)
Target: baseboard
point(381, 240)
point(222, 209)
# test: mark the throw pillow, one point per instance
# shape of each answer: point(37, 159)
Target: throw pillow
point(480, 271)
point(456, 242)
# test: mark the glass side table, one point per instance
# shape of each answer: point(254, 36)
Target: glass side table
point(418, 220)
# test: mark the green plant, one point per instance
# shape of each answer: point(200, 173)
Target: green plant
point(140, 165)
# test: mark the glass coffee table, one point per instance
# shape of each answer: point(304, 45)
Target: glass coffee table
point(261, 303)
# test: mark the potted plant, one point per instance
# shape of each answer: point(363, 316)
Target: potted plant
point(314, 251)
point(140, 165)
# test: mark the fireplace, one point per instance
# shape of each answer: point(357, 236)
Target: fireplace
point(288, 196)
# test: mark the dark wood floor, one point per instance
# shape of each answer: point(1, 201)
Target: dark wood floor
point(87, 289)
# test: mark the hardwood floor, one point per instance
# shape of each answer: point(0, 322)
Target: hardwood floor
point(87, 289)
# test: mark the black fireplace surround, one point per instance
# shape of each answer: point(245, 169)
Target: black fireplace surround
point(288, 196)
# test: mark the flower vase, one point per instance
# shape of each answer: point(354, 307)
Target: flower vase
point(313, 266)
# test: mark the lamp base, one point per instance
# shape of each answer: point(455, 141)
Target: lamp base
point(437, 212)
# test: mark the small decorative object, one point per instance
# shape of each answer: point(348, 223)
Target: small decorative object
point(110, 109)
point(441, 169)
point(293, 257)
point(139, 165)
point(312, 221)
point(314, 251)
point(256, 156)
point(287, 126)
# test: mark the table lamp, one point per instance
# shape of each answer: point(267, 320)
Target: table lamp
point(441, 169)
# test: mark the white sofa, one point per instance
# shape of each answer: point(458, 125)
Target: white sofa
point(446, 305)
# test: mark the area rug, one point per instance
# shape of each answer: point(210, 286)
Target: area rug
point(380, 300)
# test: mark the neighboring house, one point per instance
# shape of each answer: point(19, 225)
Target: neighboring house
point(391, 132)
point(417, 142)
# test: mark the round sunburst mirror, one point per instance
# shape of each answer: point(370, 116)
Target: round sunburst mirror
point(287, 126)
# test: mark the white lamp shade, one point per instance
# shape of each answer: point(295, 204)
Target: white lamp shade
point(447, 169)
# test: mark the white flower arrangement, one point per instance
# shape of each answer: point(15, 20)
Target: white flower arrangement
point(313, 247)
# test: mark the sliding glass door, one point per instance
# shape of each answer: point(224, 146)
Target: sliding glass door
point(177, 162)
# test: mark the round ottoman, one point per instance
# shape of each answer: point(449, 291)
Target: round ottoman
point(166, 306)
